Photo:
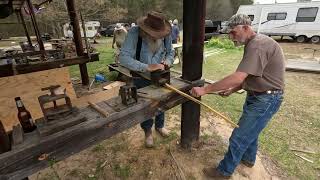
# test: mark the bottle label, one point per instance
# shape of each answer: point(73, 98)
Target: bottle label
point(31, 122)
point(19, 104)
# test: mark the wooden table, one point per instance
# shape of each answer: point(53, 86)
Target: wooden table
point(91, 129)
point(176, 48)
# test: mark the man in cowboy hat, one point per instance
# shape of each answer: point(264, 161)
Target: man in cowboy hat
point(148, 48)
point(261, 74)
point(119, 35)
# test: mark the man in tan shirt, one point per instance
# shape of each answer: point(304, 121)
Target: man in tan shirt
point(261, 74)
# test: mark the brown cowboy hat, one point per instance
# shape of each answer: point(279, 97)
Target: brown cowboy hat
point(155, 25)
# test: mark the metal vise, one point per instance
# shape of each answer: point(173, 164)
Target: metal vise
point(128, 94)
point(160, 77)
point(53, 97)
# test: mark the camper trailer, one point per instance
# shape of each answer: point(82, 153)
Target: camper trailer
point(300, 21)
point(91, 28)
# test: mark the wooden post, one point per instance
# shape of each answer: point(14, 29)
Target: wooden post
point(74, 21)
point(22, 21)
point(193, 40)
point(35, 26)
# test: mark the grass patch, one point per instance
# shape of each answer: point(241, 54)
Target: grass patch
point(221, 42)
point(74, 173)
point(121, 171)
point(172, 136)
point(106, 57)
point(98, 148)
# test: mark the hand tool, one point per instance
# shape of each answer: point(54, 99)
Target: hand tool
point(99, 109)
point(199, 102)
point(49, 113)
point(128, 94)
point(163, 78)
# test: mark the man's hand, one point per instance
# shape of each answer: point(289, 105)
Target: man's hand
point(197, 91)
point(154, 67)
point(166, 64)
point(226, 92)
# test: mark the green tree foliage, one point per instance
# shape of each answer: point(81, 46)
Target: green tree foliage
point(54, 15)
point(221, 10)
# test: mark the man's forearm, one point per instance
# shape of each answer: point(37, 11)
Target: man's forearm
point(229, 82)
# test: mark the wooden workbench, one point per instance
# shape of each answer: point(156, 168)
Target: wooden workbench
point(24, 160)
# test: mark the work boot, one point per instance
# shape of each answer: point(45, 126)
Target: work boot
point(214, 173)
point(148, 139)
point(163, 132)
point(247, 163)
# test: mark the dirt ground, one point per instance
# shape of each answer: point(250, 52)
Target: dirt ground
point(303, 51)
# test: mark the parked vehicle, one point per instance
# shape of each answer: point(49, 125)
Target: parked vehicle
point(212, 28)
point(91, 28)
point(300, 21)
point(109, 30)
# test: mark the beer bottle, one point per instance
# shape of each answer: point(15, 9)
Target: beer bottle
point(4, 140)
point(24, 117)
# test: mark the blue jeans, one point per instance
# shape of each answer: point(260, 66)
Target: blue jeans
point(159, 119)
point(243, 143)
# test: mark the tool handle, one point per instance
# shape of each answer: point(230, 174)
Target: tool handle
point(99, 109)
point(201, 103)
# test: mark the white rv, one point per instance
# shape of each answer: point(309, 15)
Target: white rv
point(300, 21)
point(91, 28)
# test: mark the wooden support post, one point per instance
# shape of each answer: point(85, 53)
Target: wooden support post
point(21, 18)
point(74, 21)
point(193, 40)
point(35, 26)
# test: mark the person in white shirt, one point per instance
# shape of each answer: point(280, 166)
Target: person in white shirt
point(119, 35)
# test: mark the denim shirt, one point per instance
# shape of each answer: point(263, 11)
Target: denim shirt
point(128, 52)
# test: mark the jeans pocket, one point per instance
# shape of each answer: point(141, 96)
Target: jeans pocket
point(260, 103)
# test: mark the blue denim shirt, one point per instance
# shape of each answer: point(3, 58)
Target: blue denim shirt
point(128, 52)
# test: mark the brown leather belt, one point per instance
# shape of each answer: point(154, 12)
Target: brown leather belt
point(255, 93)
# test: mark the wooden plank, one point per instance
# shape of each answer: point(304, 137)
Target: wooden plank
point(32, 53)
point(54, 126)
point(303, 66)
point(97, 97)
point(23, 69)
point(28, 87)
point(159, 93)
point(24, 162)
point(41, 66)
point(120, 69)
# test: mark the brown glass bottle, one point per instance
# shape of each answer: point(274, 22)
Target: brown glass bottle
point(24, 117)
point(4, 140)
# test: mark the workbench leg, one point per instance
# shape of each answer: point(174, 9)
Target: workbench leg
point(84, 74)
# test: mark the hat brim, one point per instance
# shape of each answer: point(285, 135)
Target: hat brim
point(155, 34)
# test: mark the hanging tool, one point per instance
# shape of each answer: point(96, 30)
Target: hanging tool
point(201, 103)
point(128, 94)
